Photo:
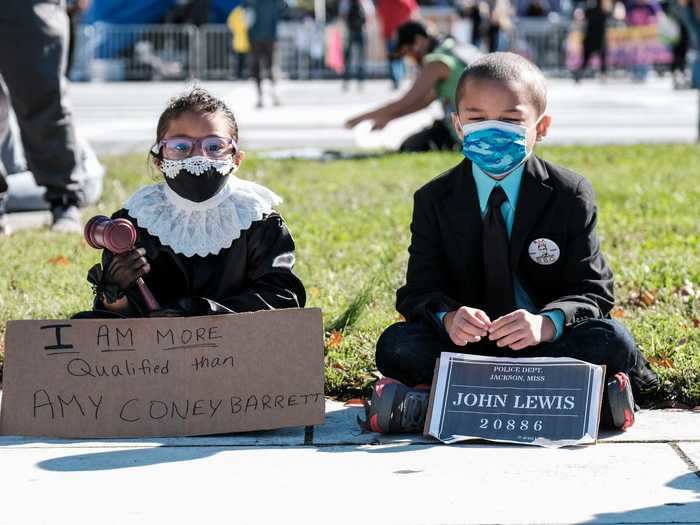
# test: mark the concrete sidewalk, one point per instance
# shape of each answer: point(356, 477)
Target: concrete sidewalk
point(339, 475)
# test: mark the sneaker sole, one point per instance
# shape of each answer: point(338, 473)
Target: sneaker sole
point(383, 403)
point(621, 401)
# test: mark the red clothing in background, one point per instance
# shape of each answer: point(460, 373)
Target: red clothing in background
point(393, 13)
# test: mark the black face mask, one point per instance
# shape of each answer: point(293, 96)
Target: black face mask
point(197, 188)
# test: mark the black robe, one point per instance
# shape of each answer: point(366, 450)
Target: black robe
point(254, 273)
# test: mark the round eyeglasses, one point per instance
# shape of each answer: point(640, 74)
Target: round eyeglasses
point(178, 148)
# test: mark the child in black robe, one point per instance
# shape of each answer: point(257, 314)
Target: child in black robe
point(207, 241)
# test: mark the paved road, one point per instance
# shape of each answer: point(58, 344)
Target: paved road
point(119, 117)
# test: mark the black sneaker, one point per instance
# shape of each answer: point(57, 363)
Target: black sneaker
point(66, 219)
point(395, 407)
point(618, 403)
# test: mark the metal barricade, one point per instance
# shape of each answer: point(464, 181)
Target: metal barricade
point(107, 52)
point(218, 61)
point(543, 42)
point(136, 52)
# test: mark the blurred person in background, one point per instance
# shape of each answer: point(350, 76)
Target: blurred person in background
point(194, 12)
point(499, 23)
point(354, 15)
point(537, 8)
point(441, 63)
point(690, 13)
point(596, 13)
point(263, 17)
point(240, 44)
point(75, 9)
point(310, 42)
point(472, 10)
point(392, 14)
point(678, 38)
point(36, 84)
point(641, 13)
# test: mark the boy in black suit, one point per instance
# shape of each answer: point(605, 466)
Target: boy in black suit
point(504, 258)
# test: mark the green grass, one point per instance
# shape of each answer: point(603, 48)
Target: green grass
point(350, 221)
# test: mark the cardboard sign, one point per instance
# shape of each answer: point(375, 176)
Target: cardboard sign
point(163, 376)
point(538, 401)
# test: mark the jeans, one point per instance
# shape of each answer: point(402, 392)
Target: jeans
point(356, 40)
point(433, 138)
point(35, 81)
point(407, 351)
point(395, 64)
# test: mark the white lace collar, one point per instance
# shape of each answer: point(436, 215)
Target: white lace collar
point(201, 228)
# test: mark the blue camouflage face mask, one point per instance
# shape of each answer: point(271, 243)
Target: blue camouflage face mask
point(496, 147)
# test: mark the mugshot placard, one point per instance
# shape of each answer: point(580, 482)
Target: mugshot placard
point(539, 401)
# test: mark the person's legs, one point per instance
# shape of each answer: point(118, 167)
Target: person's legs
point(255, 59)
point(435, 138)
point(73, 25)
point(4, 130)
point(418, 142)
point(395, 64)
point(239, 65)
point(269, 56)
point(604, 342)
point(476, 26)
point(360, 60)
point(597, 341)
point(587, 53)
point(36, 82)
point(603, 54)
point(680, 52)
point(493, 33)
point(407, 352)
point(347, 56)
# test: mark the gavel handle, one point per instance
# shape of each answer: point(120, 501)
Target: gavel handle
point(148, 298)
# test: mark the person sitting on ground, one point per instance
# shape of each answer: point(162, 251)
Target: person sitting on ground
point(504, 258)
point(440, 63)
point(207, 241)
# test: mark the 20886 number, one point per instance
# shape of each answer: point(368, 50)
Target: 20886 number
point(510, 424)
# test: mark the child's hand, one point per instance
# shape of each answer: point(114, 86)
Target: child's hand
point(521, 329)
point(466, 325)
point(125, 268)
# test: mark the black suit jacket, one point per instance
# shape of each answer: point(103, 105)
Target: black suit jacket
point(445, 267)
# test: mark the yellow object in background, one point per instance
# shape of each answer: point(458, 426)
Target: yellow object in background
point(236, 23)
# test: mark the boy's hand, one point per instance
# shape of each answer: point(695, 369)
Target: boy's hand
point(125, 268)
point(466, 325)
point(521, 329)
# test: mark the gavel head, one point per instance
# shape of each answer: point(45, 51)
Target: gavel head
point(117, 236)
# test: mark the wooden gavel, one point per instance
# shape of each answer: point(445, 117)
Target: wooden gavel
point(117, 236)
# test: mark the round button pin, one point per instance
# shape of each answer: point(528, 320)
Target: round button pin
point(544, 251)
